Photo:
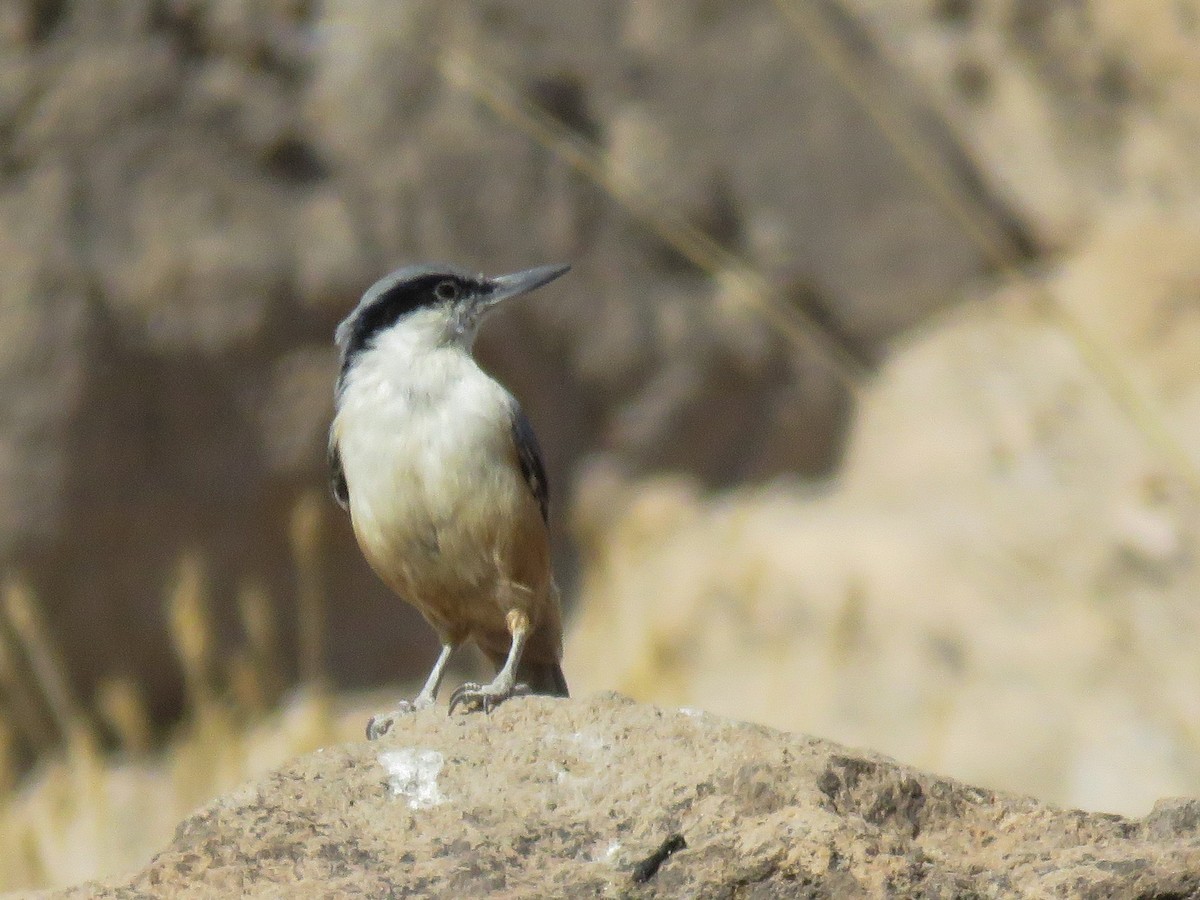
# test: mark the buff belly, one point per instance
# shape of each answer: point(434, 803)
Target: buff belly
point(462, 542)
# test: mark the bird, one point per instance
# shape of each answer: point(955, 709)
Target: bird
point(442, 475)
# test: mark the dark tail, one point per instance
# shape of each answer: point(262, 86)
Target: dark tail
point(543, 678)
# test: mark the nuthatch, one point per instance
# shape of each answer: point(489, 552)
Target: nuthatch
point(444, 480)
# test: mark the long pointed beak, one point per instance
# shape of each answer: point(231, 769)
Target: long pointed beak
point(505, 286)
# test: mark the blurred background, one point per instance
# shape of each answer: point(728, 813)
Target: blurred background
point(871, 405)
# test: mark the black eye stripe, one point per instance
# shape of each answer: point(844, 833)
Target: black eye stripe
point(390, 306)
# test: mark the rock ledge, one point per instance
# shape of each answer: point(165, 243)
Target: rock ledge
point(606, 797)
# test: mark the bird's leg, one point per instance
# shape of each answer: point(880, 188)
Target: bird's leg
point(381, 724)
point(487, 697)
point(429, 692)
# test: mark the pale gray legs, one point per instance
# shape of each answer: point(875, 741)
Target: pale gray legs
point(381, 724)
point(487, 697)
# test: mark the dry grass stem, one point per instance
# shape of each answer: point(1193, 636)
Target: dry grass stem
point(306, 538)
point(21, 706)
point(123, 708)
point(24, 615)
point(742, 282)
point(191, 632)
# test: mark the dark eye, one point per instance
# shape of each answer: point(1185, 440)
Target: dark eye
point(446, 291)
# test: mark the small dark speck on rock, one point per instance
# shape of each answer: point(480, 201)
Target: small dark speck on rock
point(648, 867)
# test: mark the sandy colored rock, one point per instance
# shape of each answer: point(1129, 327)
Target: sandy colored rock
point(1069, 111)
point(586, 798)
point(999, 585)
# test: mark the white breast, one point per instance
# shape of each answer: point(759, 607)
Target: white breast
point(425, 439)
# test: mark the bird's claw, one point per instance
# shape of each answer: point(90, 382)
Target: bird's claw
point(381, 724)
point(378, 726)
point(475, 696)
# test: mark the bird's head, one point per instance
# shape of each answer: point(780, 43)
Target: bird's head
point(438, 304)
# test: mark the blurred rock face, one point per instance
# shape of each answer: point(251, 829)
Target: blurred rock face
point(1067, 109)
point(192, 194)
point(1001, 585)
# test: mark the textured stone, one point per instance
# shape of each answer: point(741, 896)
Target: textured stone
point(602, 797)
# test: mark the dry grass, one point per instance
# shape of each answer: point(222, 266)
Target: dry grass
point(82, 813)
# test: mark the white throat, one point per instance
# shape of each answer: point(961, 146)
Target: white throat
point(419, 374)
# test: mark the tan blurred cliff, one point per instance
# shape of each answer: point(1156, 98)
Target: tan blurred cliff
point(1002, 581)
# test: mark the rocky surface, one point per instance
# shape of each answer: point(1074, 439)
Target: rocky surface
point(604, 797)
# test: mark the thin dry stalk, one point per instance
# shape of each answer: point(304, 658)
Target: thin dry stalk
point(262, 635)
point(744, 284)
point(246, 685)
point(24, 615)
point(307, 536)
point(21, 698)
point(121, 703)
point(192, 633)
point(10, 739)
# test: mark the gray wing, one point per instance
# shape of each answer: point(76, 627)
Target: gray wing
point(337, 478)
point(529, 455)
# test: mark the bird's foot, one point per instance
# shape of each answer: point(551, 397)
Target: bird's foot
point(475, 696)
point(379, 725)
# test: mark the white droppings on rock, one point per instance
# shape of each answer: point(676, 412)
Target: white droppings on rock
point(413, 774)
point(609, 854)
point(589, 741)
point(613, 849)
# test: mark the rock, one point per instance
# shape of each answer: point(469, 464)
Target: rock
point(604, 797)
point(1002, 552)
point(1069, 111)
